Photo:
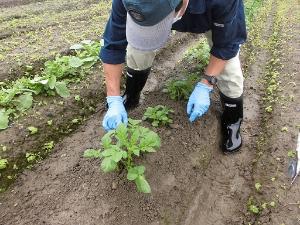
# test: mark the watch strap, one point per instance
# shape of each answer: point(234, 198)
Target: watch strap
point(211, 79)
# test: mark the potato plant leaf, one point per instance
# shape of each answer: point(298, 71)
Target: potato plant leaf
point(134, 172)
point(92, 153)
point(142, 185)
point(149, 142)
point(76, 47)
point(4, 119)
point(52, 81)
point(62, 90)
point(108, 164)
point(121, 134)
point(106, 140)
point(75, 62)
point(24, 102)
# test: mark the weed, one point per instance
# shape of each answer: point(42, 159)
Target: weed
point(120, 146)
point(181, 89)
point(50, 122)
point(32, 130)
point(31, 157)
point(272, 204)
point(77, 98)
point(3, 163)
point(158, 115)
point(258, 186)
point(48, 146)
point(252, 206)
point(292, 154)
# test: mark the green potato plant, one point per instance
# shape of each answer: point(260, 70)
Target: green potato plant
point(121, 146)
point(158, 115)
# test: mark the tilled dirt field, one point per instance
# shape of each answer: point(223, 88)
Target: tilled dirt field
point(32, 32)
point(192, 182)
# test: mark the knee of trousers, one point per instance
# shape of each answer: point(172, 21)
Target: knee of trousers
point(139, 60)
point(231, 80)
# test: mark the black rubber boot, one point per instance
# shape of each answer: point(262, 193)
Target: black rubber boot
point(231, 122)
point(135, 82)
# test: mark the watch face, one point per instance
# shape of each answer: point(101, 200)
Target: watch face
point(213, 80)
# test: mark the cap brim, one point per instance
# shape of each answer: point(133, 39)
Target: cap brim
point(149, 38)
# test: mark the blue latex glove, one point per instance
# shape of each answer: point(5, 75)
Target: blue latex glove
point(115, 114)
point(199, 101)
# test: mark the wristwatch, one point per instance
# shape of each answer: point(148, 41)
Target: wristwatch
point(211, 79)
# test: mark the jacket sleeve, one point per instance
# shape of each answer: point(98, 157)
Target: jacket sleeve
point(228, 28)
point(114, 37)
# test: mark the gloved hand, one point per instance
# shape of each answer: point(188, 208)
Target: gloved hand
point(199, 101)
point(115, 114)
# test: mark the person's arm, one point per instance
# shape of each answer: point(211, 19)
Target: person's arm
point(113, 55)
point(113, 74)
point(228, 32)
point(116, 112)
point(214, 68)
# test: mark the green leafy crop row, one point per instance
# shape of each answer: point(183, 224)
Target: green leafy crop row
point(17, 97)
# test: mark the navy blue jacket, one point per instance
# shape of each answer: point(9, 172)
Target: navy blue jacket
point(225, 18)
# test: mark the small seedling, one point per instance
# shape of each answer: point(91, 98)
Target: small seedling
point(269, 109)
point(254, 209)
point(292, 154)
point(32, 157)
point(3, 163)
point(258, 186)
point(252, 206)
point(264, 205)
point(273, 204)
point(4, 148)
point(121, 146)
point(75, 121)
point(50, 122)
point(48, 146)
point(158, 115)
point(77, 98)
point(32, 130)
